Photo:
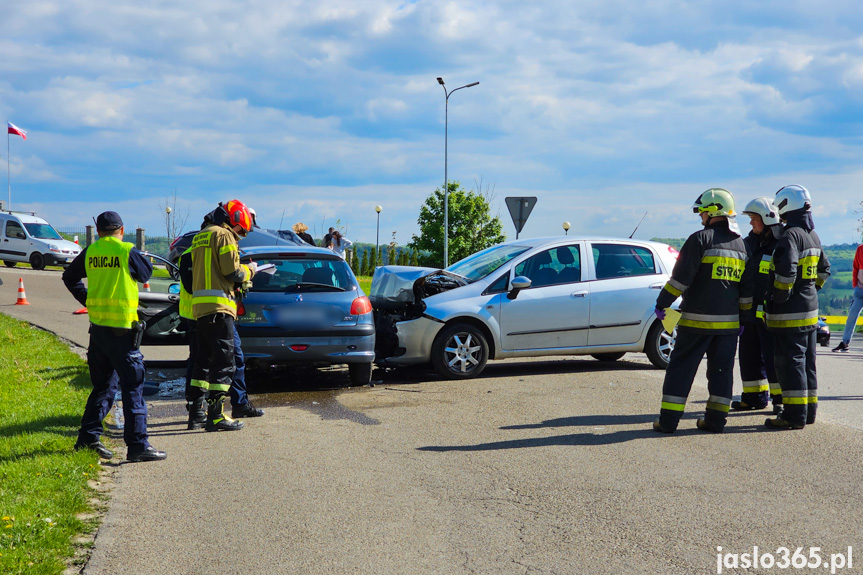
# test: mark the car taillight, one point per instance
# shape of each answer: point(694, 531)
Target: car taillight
point(361, 306)
point(299, 347)
point(241, 308)
point(675, 254)
point(174, 242)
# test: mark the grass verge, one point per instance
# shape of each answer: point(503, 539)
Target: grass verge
point(45, 495)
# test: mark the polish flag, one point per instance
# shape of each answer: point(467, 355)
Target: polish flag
point(13, 129)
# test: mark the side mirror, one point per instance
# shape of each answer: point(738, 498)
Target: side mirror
point(518, 284)
point(174, 288)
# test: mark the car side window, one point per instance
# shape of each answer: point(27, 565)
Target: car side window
point(14, 230)
point(555, 266)
point(622, 260)
point(499, 285)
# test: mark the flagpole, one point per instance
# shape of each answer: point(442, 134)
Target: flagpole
point(8, 177)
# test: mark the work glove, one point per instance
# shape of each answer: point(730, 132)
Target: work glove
point(660, 313)
point(253, 267)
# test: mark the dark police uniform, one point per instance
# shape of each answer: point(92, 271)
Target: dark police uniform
point(113, 267)
point(799, 269)
point(710, 275)
point(755, 352)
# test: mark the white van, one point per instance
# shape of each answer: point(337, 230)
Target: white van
point(27, 238)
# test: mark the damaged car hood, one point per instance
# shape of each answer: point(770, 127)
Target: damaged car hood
point(398, 286)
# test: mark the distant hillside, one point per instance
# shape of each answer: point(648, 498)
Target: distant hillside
point(835, 298)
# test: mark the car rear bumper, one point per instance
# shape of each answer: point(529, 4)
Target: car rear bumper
point(319, 350)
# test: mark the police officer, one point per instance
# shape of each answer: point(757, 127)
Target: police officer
point(113, 267)
point(755, 352)
point(216, 270)
point(799, 270)
point(241, 405)
point(710, 275)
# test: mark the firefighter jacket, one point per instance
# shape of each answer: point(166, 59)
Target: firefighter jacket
point(799, 270)
point(215, 270)
point(185, 270)
point(712, 278)
point(760, 249)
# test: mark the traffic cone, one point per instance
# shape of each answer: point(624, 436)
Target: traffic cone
point(22, 297)
point(81, 311)
point(146, 286)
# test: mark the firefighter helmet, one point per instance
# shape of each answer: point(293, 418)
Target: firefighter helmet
point(715, 202)
point(238, 215)
point(763, 207)
point(792, 198)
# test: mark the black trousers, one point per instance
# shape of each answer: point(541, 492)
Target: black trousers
point(757, 367)
point(113, 360)
point(215, 360)
point(683, 364)
point(795, 366)
point(239, 394)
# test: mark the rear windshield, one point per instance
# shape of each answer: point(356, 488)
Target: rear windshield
point(303, 275)
point(42, 231)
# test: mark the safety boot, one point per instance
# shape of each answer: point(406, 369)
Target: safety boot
point(217, 419)
point(780, 423)
point(197, 413)
point(659, 427)
point(743, 406)
point(711, 426)
point(246, 410)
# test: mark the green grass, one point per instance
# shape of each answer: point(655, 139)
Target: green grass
point(43, 483)
point(365, 283)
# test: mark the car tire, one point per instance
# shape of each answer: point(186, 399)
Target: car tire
point(37, 261)
point(609, 356)
point(460, 351)
point(360, 373)
point(659, 345)
point(9, 264)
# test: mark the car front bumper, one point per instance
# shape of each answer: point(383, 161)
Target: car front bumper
point(415, 339)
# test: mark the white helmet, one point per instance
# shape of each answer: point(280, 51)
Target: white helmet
point(764, 208)
point(715, 202)
point(792, 198)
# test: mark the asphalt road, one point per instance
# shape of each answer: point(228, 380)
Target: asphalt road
point(538, 467)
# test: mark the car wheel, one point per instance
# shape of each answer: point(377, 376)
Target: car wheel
point(460, 351)
point(659, 345)
point(37, 261)
point(609, 356)
point(360, 373)
point(9, 264)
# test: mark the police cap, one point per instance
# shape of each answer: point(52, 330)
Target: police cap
point(109, 221)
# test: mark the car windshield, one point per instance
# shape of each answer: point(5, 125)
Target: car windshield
point(42, 231)
point(303, 275)
point(480, 264)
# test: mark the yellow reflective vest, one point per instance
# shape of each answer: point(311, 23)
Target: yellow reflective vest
point(112, 294)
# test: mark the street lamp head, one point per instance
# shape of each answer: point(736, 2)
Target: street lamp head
point(168, 210)
point(378, 209)
point(566, 226)
point(474, 84)
point(440, 81)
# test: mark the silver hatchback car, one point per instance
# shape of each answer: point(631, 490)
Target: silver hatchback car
point(525, 298)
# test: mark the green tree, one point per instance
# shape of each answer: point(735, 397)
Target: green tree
point(471, 225)
point(364, 264)
point(414, 260)
point(355, 262)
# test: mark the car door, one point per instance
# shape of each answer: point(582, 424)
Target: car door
point(15, 243)
point(626, 281)
point(553, 313)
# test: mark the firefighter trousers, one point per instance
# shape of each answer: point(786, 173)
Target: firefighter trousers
point(195, 387)
point(795, 365)
point(757, 366)
point(214, 363)
point(689, 348)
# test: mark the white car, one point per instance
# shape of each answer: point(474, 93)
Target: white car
point(26, 238)
point(525, 298)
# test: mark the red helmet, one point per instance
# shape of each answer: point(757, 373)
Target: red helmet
point(238, 214)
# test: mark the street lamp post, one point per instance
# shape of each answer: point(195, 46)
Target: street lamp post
point(445, 175)
point(566, 227)
point(378, 209)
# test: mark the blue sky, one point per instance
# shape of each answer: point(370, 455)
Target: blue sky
point(316, 111)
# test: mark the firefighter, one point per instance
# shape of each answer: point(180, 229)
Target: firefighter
point(711, 276)
point(755, 352)
point(216, 269)
point(241, 405)
point(798, 271)
point(112, 268)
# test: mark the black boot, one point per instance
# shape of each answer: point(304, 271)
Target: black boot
point(217, 419)
point(197, 413)
point(246, 410)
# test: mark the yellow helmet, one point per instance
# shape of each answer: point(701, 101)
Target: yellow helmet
point(715, 202)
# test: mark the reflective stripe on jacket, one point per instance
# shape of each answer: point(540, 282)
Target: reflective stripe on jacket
point(216, 270)
point(712, 277)
point(798, 270)
point(185, 265)
point(760, 248)
point(112, 294)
